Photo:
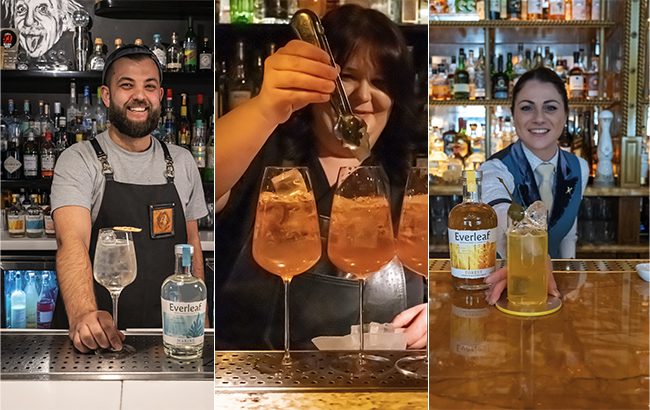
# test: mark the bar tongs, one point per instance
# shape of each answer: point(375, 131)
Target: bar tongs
point(349, 129)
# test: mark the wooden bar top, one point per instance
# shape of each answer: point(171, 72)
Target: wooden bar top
point(593, 353)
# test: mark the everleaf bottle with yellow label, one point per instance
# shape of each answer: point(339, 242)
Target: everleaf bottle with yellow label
point(472, 236)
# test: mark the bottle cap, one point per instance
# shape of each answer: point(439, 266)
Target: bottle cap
point(186, 251)
point(98, 40)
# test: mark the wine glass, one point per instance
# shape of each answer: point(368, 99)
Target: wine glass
point(114, 268)
point(360, 240)
point(412, 248)
point(286, 237)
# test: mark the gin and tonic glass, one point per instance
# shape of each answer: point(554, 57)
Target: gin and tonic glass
point(114, 268)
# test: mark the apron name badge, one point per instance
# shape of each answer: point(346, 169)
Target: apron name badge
point(161, 221)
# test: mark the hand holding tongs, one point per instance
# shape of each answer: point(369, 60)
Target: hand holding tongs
point(350, 129)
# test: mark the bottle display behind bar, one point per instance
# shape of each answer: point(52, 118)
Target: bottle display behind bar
point(511, 38)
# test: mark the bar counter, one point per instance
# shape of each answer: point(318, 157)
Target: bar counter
point(41, 369)
point(255, 380)
point(592, 353)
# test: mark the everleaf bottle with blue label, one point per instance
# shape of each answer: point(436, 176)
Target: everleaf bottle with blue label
point(184, 304)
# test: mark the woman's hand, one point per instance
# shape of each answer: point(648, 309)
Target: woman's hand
point(413, 323)
point(296, 75)
point(497, 281)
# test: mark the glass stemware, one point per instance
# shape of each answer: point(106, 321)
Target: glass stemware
point(412, 248)
point(286, 237)
point(114, 268)
point(360, 240)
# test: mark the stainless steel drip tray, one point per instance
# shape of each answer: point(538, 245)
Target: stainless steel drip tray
point(311, 371)
point(50, 355)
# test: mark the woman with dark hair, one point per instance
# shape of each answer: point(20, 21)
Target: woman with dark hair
point(291, 122)
point(535, 168)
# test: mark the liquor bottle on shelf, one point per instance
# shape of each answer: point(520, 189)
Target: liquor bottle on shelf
point(472, 236)
point(189, 49)
point(534, 10)
point(591, 75)
point(556, 10)
point(45, 121)
point(257, 74)
point(34, 223)
point(198, 144)
point(48, 222)
point(26, 120)
point(548, 58)
point(205, 56)
point(12, 165)
point(580, 10)
point(184, 128)
point(538, 59)
point(36, 123)
point(519, 68)
point(72, 108)
point(78, 130)
point(99, 112)
point(240, 88)
point(118, 43)
point(462, 142)
point(62, 139)
point(576, 79)
point(16, 218)
point(30, 154)
point(160, 51)
point(184, 303)
point(470, 66)
point(495, 9)
point(449, 139)
point(500, 81)
point(48, 155)
point(169, 135)
point(97, 58)
point(477, 149)
point(514, 9)
point(174, 55)
point(461, 79)
point(222, 79)
point(479, 76)
point(510, 73)
point(595, 9)
point(86, 110)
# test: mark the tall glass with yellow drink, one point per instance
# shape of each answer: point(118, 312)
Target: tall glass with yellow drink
point(526, 261)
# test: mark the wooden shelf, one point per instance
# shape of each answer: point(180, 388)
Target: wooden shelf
point(523, 23)
point(508, 102)
point(155, 9)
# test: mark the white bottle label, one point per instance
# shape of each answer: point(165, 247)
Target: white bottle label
point(576, 83)
point(161, 56)
point(12, 165)
point(47, 162)
point(205, 61)
point(473, 253)
point(183, 323)
point(31, 165)
point(461, 88)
